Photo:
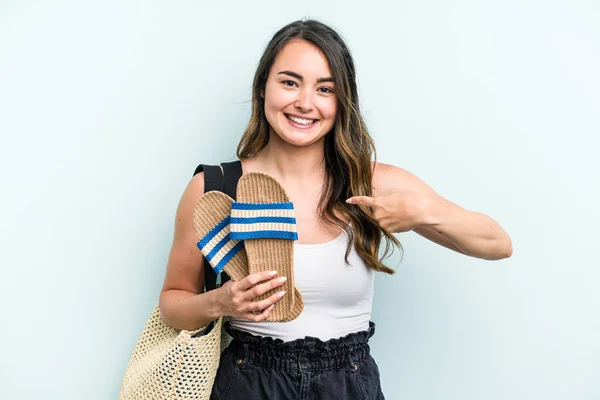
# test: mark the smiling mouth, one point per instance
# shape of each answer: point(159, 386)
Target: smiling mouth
point(301, 121)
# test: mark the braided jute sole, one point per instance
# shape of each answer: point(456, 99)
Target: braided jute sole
point(267, 254)
point(212, 208)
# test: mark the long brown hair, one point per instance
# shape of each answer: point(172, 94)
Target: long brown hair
point(348, 146)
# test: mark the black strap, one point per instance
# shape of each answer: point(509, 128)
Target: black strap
point(232, 172)
point(213, 177)
point(214, 180)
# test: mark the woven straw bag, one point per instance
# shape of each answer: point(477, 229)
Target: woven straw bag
point(169, 364)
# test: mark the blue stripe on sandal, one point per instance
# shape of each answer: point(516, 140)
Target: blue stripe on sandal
point(234, 250)
point(265, 234)
point(262, 206)
point(218, 246)
point(213, 232)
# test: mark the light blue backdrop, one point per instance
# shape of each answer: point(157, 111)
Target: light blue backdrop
point(106, 107)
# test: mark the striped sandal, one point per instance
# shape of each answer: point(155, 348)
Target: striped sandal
point(263, 217)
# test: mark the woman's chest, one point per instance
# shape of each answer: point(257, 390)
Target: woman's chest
point(310, 224)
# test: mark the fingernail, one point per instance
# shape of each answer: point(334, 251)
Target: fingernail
point(349, 201)
point(272, 273)
point(282, 279)
point(281, 294)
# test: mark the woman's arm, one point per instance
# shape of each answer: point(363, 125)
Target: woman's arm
point(181, 304)
point(403, 202)
point(472, 233)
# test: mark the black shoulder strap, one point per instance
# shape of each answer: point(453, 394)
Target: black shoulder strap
point(224, 181)
point(232, 172)
point(213, 177)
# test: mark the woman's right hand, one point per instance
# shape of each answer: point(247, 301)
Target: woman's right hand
point(236, 298)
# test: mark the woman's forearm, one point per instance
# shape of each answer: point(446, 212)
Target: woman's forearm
point(476, 234)
point(184, 310)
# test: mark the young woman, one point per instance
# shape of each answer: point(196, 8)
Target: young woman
point(307, 131)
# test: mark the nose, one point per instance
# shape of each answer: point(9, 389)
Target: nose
point(304, 100)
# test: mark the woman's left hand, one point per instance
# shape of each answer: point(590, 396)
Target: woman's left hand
point(396, 212)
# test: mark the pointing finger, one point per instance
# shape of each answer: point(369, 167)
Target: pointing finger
point(364, 200)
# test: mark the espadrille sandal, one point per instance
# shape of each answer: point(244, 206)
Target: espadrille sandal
point(263, 217)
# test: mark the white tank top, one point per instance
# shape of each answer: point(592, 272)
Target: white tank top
point(338, 297)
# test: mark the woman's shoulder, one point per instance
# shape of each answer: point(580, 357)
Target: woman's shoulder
point(192, 192)
point(389, 178)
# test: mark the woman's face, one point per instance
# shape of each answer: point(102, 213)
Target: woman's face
point(300, 99)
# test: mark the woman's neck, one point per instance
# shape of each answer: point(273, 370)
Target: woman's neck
point(288, 163)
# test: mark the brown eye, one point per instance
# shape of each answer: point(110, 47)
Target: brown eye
point(289, 83)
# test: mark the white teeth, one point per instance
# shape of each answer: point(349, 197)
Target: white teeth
point(301, 120)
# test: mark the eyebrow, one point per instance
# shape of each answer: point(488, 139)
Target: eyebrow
point(301, 78)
